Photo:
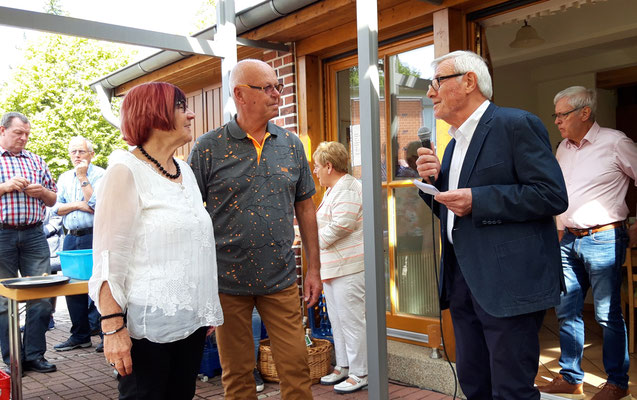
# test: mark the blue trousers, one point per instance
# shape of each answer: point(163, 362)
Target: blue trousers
point(496, 358)
point(593, 261)
point(26, 252)
point(80, 305)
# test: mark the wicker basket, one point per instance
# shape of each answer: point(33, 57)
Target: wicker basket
point(319, 358)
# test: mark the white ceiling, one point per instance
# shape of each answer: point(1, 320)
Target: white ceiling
point(570, 28)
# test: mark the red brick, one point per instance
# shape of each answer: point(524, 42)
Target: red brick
point(269, 55)
point(287, 110)
point(290, 121)
point(286, 70)
point(277, 63)
point(288, 79)
point(288, 59)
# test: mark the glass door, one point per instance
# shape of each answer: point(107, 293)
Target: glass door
point(410, 240)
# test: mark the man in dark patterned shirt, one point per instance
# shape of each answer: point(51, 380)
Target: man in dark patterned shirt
point(254, 177)
point(26, 187)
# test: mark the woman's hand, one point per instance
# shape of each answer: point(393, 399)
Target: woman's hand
point(117, 352)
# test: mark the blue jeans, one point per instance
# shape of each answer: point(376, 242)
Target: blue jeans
point(27, 252)
point(79, 305)
point(593, 261)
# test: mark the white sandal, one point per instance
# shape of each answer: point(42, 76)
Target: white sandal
point(338, 375)
point(348, 387)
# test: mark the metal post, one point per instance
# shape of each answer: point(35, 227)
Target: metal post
point(226, 36)
point(15, 350)
point(367, 24)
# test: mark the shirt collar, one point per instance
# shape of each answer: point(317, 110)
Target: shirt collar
point(468, 127)
point(590, 137)
point(236, 132)
point(4, 151)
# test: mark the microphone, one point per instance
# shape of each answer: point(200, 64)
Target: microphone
point(424, 134)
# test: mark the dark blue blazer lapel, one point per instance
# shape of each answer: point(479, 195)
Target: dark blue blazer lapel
point(477, 140)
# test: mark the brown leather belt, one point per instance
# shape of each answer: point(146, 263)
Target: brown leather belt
point(594, 229)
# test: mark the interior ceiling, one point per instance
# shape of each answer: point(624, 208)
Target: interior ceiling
point(571, 32)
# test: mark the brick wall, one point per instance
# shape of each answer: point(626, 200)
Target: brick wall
point(283, 64)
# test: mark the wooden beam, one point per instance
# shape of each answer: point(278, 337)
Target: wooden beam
point(393, 21)
point(305, 19)
point(310, 105)
point(449, 28)
point(617, 78)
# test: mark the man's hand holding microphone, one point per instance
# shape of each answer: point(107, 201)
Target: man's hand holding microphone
point(457, 201)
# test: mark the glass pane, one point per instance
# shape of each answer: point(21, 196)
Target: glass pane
point(415, 269)
point(348, 103)
point(410, 107)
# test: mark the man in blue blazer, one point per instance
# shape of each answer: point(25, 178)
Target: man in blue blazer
point(500, 267)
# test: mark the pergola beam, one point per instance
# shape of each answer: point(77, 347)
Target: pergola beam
point(123, 34)
point(434, 2)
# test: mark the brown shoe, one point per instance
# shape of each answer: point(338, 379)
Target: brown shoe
point(560, 387)
point(612, 392)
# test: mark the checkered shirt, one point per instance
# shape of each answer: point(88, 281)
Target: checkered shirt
point(16, 208)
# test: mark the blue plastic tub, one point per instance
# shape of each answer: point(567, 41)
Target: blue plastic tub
point(77, 264)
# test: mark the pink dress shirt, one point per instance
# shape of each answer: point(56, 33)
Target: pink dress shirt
point(597, 174)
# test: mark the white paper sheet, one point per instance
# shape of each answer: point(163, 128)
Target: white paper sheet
point(429, 189)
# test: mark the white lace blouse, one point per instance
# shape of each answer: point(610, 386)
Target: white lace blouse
point(154, 245)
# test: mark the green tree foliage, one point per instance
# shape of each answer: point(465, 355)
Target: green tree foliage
point(51, 87)
point(206, 15)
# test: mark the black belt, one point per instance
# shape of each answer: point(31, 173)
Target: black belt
point(20, 227)
point(80, 232)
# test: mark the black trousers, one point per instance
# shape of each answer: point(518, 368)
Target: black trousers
point(163, 371)
point(496, 358)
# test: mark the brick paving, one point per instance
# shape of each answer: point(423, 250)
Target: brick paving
point(84, 374)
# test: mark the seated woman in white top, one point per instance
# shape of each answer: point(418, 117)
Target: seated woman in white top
point(155, 273)
point(340, 223)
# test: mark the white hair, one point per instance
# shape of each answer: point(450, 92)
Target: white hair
point(579, 97)
point(76, 139)
point(468, 61)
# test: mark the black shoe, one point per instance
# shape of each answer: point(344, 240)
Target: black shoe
point(100, 348)
point(69, 344)
point(39, 365)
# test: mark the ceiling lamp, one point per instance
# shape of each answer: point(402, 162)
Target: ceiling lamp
point(526, 37)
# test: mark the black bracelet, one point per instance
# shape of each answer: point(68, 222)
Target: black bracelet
point(119, 314)
point(113, 332)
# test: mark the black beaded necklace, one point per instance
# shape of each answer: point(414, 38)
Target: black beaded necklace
point(161, 169)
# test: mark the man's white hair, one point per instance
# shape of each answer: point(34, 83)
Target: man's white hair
point(468, 61)
point(81, 139)
point(579, 97)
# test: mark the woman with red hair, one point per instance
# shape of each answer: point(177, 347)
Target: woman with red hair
point(155, 273)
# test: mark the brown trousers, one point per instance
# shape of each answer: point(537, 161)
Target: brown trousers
point(281, 314)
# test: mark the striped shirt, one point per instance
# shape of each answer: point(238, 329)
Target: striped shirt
point(17, 208)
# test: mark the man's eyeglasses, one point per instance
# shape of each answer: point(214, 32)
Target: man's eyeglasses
point(267, 89)
point(436, 82)
point(564, 114)
point(80, 152)
point(181, 104)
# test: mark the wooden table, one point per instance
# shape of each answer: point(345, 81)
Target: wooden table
point(14, 296)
